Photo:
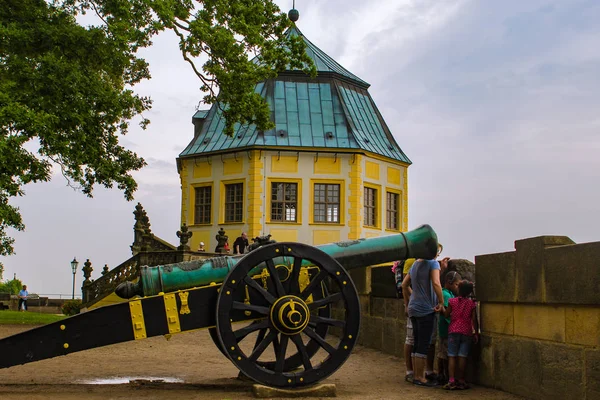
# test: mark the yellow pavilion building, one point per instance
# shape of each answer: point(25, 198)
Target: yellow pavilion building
point(330, 170)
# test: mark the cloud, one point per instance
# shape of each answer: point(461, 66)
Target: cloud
point(494, 102)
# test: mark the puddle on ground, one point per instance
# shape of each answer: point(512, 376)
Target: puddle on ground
point(116, 380)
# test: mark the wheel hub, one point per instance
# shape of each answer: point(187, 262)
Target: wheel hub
point(290, 315)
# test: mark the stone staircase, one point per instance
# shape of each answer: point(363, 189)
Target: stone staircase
point(147, 249)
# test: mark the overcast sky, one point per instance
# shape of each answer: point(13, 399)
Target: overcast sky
point(495, 102)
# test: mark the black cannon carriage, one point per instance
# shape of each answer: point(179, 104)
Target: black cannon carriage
point(269, 311)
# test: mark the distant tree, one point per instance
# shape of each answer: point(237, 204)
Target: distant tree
point(12, 287)
point(66, 87)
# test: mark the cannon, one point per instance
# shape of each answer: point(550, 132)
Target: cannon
point(268, 311)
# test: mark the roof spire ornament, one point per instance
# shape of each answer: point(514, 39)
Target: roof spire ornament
point(293, 14)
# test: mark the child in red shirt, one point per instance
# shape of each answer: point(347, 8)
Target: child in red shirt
point(461, 333)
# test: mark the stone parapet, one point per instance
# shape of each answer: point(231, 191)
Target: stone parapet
point(540, 319)
point(572, 274)
point(541, 322)
point(383, 324)
point(498, 318)
point(539, 313)
point(578, 325)
point(544, 269)
point(539, 369)
point(496, 277)
point(362, 280)
point(530, 262)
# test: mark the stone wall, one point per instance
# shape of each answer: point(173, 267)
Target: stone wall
point(383, 324)
point(540, 319)
point(38, 305)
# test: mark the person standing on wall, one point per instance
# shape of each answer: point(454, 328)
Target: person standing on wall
point(23, 294)
point(241, 244)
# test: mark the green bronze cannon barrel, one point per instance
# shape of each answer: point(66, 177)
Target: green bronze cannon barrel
point(418, 243)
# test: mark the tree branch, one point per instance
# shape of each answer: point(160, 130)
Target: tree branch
point(205, 80)
point(99, 15)
point(180, 26)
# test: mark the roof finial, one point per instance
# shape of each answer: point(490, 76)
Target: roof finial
point(294, 14)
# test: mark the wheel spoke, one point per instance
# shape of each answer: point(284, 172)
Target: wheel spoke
point(254, 285)
point(241, 333)
point(328, 321)
point(280, 356)
point(302, 350)
point(313, 284)
point(263, 345)
point(293, 285)
point(238, 305)
point(315, 336)
point(327, 300)
point(276, 345)
point(275, 278)
point(259, 338)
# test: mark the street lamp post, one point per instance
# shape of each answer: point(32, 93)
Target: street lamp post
point(74, 265)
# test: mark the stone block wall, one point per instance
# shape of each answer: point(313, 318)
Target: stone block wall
point(540, 319)
point(43, 305)
point(383, 324)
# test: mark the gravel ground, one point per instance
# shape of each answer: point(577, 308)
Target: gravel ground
point(193, 368)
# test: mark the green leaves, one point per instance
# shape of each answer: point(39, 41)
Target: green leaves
point(12, 286)
point(226, 32)
point(63, 100)
point(65, 88)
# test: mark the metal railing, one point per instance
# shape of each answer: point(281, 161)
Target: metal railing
point(51, 296)
point(59, 296)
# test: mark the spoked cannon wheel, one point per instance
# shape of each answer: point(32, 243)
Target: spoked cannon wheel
point(286, 316)
point(294, 361)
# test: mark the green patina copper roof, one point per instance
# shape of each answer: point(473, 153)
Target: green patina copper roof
point(333, 111)
point(201, 114)
point(322, 61)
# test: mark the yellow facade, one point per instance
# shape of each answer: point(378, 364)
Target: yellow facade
point(355, 197)
point(264, 176)
point(256, 193)
point(327, 165)
point(233, 166)
point(372, 170)
point(393, 176)
point(202, 169)
point(285, 164)
point(325, 236)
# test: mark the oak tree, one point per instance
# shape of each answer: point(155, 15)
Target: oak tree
point(68, 68)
